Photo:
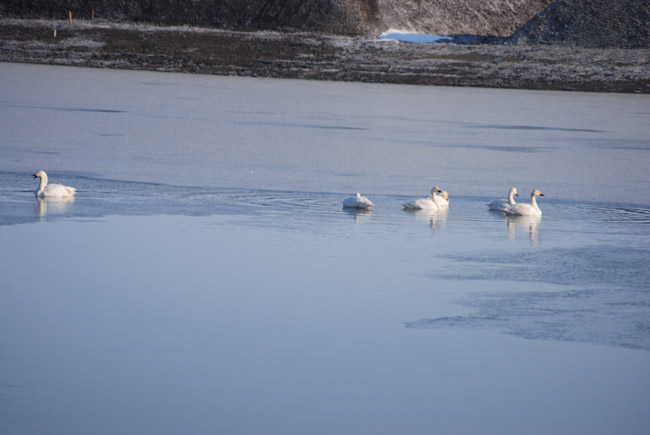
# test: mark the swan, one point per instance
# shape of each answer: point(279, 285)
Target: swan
point(423, 203)
point(502, 204)
point(531, 209)
point(357, 201)
point(52, 190)
point(441, 198)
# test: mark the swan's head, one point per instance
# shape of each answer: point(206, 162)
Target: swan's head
point(514, 191)
point(39, 174)
point(444, 194)
point(435, 190)
point(537, 193)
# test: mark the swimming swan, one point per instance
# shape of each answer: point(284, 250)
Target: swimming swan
point(357, 201)
point(502, 204)
point(423, 203)
point(531, 209)
point(52, 190)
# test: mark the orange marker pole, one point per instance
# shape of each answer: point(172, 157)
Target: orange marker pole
point(70, 16)
point(93, 14)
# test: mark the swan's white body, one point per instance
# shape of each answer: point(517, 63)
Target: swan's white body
point(46, 190)
point(424, 203)
point(502, 204)
point(357, 201)
point(531, 209)
point(421, 204)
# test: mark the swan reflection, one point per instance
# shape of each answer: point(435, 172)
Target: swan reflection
point(436, 218)
point(359, 214)
point(52, 205)
point(524, 223)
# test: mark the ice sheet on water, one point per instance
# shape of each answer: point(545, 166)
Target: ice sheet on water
point(594, 316)
point(225, 241)
point(307, 135)
point(603, 295)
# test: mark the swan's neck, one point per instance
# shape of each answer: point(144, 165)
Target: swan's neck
point(41, 186)
point(511, 197)
point(533, 201)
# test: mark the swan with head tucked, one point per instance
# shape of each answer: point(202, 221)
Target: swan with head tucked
point(502, 204)
point(357, 201)
point(531, 209)
point(423, 203)
point(441, 198)
point(53, 190)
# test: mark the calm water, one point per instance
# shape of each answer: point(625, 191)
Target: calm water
point(206, 279)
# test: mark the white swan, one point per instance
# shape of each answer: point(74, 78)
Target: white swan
point(502, 204)
point(357, 201)
point(52, 190)
point(441, 198)
point(423, 203)
point(531, 209)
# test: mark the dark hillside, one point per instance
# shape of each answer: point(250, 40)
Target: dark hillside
point(590, 24)
point(329, 16)
point(349, 17)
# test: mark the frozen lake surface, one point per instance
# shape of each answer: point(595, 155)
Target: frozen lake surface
point(207, 280)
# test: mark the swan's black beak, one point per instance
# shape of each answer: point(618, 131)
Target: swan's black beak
point(35, 175)
point(541, 194)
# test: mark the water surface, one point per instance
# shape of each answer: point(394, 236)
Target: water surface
point(207, 280)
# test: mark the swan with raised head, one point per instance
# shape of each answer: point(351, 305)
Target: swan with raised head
point(423, 203)
point(357, 201)
point(53, 190)
point(502, 204)
point(531, 209)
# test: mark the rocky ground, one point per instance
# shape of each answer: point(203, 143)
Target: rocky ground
point(323, 57)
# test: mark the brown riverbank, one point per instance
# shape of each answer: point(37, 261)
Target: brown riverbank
point(323, 57)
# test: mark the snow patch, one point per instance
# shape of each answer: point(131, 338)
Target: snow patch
point(416, 38)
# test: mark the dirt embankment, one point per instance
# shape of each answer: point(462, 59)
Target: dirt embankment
point(303, 55)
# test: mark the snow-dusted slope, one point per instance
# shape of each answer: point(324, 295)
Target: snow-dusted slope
point(446, 17)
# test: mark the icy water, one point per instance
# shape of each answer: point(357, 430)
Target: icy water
point(207, 280)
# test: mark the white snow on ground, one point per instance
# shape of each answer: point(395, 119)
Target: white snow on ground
point(417, 38)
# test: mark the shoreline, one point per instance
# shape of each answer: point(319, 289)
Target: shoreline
point(312, 56)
